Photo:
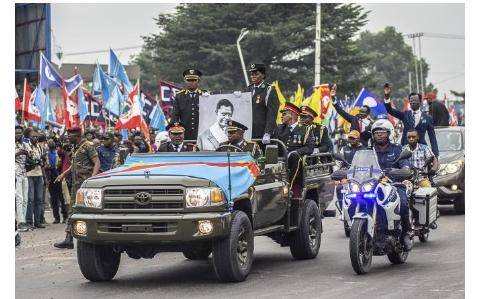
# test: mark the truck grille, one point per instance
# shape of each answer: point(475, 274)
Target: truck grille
point(162, 199)
point(155, 227)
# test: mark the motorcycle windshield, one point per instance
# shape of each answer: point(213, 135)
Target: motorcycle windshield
point(364, 166)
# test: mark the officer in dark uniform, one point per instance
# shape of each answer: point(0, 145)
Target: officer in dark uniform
point(320, 132)
point(265, 103)
point(185, 105)
point(84, 164)
point(236, 138)
point(299, 141)
point(176, 132)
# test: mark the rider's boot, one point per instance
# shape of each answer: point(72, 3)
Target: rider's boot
point(407, 233)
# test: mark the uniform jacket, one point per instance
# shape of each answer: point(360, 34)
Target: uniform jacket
point(389, 155)
point(246, 146)
point(169, 147)
point(355, 123)
point(424, 125)
point(185, 110)
point(321, 138)
point(300, 139)
point(82, 161)
point(264, 110)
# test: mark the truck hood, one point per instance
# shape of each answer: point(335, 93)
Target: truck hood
point(141, 180)
point(234, 173)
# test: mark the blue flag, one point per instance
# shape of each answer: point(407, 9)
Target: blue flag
point(82, 105)
point(73, 83)
point(97, 80)
point(157, 118)
point(114, 103)
point(116, 70)
point(377, 108)
point(47, 113)
point(39, 106)
point(49, 77)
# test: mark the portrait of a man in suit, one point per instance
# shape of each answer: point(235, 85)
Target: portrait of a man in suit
point(210, 139)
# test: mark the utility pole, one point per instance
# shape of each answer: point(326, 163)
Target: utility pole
point(420, 58)
point(409, 82)
point(317, 45)
point(412, 36)
point(243, 32)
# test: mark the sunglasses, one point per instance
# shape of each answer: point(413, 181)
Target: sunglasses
point(192, 80)
point(254, 73)
point(176, 133)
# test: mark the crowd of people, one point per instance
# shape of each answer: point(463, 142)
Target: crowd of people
point(50, 164)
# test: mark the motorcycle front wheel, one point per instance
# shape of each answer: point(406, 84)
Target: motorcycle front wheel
point(361, 247)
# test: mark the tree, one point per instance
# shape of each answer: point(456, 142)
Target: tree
point(391, 59)
point(281, 36)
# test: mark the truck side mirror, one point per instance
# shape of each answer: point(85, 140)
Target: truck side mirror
point(271, 154)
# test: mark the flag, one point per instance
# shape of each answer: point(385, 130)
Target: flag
point(27, 94)
point(377, 108)
point(73, 83)
point(35, 105)
point(453, 121)
point(298, 96)
point(18, 102)
point(50, 116)
point(116, 69)
point(108, 86)
point(281, 99)
point(114, 103)
point(168, 90)
point(97, 80)
point(49, 77)
point(82, 105)
point(70, 113)
point(157, 118)
point(59, 114)
point(313, 101)
point(133, 119)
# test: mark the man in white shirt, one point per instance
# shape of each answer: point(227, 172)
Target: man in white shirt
point(210, 139)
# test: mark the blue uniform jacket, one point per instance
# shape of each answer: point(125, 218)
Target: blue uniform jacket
point(425, 125)
point(389, 155)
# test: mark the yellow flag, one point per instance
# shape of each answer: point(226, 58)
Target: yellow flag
point(314, 103)
point(281, 99)
point(298, 97)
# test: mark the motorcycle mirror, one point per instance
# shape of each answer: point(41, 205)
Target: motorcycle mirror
point(339, 175)
point(405, 154)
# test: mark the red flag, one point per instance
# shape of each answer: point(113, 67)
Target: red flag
point(18, 102)
point(71, 118)
point(133, 119)
point(325, 100)
point(29, 111)
point(59, 114)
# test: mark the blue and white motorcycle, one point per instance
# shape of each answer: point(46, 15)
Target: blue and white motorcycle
point(371, 209)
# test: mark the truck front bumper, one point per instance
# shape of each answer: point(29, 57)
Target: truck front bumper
point(148, 228)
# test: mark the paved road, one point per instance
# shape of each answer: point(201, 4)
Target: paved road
point(433, 270)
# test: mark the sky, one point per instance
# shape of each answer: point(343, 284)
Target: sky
point(82, 28)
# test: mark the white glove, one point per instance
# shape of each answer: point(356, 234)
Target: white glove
point(266, 138)
point(237, 93)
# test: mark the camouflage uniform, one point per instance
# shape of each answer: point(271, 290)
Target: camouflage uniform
point(82, 162)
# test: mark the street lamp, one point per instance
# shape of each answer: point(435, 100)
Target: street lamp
point(243, 33)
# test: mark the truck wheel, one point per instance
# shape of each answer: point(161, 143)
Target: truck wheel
point(200, 252)
point(361, 247)
point(459, 205)
point(305, 241)
point(233, 255)
point(97, 262)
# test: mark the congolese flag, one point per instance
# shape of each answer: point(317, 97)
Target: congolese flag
point(211, 166)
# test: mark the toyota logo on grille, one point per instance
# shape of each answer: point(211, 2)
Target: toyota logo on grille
point(143, 198)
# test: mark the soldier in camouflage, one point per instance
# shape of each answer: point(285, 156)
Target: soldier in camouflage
point(84, 164)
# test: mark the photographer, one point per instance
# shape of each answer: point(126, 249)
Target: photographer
point(35, 182)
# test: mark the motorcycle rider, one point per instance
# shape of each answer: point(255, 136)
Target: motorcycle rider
point(387, 154)
point(420, 153)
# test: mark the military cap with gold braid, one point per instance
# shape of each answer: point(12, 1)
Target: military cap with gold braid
point(191, 74)
point(291, 107)
point(308, 111)
point(235, 125)
point(176, 127)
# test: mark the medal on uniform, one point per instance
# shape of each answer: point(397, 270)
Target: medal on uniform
point(258, 99)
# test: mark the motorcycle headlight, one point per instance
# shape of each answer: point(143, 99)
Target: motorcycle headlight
point(354, 187)
point(89, 197)
point(203, 197)
point(450, 168)
point(367, 187)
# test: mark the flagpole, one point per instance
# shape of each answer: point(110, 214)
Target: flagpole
point(24, 100)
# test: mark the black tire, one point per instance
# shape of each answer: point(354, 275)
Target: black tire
point(423, 237)
point(346, 228)
point(97, 262)
point(233, 255)
point(397, 258)
point(305, 241)
point(361, 247)
point(459, 205)
point(200, 252)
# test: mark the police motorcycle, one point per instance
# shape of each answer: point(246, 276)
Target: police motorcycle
point(372, 209)
point(423, 204)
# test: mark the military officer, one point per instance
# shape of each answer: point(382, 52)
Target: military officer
point(320, 132)
point(185, 105)
point(236, 132)
point(84, 164)
point(265, 103)
point(299, 141)
point(176, 132)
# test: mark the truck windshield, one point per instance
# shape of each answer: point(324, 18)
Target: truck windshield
point(364, 166)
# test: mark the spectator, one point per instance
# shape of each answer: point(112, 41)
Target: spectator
point(35, 184)
point(21, 180)
point(437, 110)
point(107, 151)
point(52, 170)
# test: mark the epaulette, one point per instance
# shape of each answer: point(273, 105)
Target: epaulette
point(250, 142)
point(181, 91)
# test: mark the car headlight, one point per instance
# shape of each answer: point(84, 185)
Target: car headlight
point(354, 187)
point(203, 197)
point(89, 197)
point(367, 187)
point(450, 168)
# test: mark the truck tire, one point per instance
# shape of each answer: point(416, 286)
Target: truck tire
point(305, 241)
point(361, 247)
point(199, 252)
point(97, 262)
point(459, 205)
point(233, 255)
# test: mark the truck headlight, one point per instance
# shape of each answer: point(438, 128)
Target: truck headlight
point(89, 197)
point(450, 168)
point(204, 197)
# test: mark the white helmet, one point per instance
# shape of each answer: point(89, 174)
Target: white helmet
point(382, 124)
